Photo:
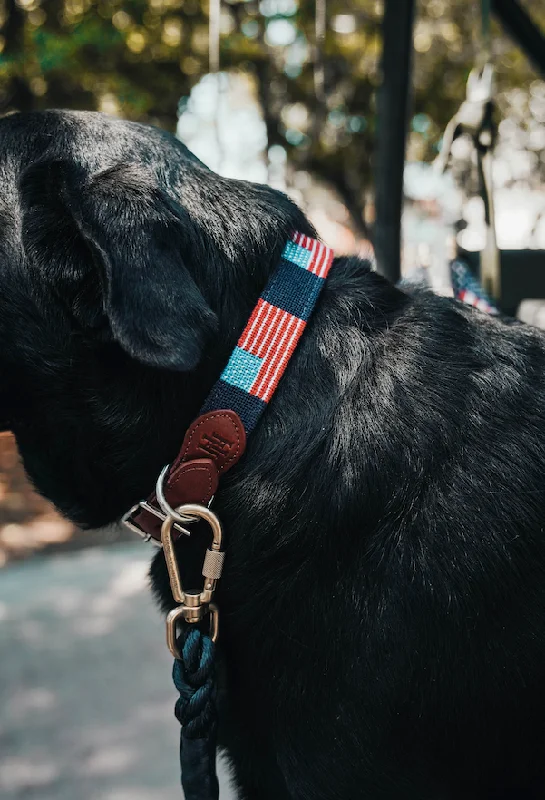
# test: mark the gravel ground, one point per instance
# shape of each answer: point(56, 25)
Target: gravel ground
point(86, 701)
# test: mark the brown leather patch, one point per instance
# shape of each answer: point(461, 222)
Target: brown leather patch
point(190, 482)
point(193, 481)
point(218, 435)
point(213, 444)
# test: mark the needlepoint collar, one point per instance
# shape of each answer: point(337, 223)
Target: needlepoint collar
point(217, 438)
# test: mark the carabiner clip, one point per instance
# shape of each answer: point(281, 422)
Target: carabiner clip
point(193, 606)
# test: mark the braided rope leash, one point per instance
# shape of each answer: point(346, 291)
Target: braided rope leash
point(195, 678)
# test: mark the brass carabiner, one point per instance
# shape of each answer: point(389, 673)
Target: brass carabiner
point(193, 606)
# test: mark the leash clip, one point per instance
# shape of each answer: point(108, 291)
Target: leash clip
point(193, 606)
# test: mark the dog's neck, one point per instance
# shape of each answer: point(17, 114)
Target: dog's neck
point(140, 414)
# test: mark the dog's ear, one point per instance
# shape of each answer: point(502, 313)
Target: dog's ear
point(136, 236)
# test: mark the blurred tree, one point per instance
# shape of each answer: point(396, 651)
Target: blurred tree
point(137, 58)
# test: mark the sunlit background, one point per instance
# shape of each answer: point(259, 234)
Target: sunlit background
point(270, 98)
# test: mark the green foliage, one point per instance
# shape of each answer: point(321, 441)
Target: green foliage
point(138, 57)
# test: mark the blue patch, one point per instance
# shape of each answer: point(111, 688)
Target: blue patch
point(242, 369)
point(248, 407)
point(297, 255)
point(293, 289)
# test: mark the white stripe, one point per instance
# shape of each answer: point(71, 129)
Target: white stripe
point(278, 354)
point(278, 312)
point(298, 323)
point(265, 356)
point(319, 253)
point(263, 317)
point(313, 248)
point(320, 260)
point(327, 261)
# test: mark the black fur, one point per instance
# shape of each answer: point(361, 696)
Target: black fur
point(383, 604)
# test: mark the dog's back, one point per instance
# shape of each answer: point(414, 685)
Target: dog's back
point(407, 635)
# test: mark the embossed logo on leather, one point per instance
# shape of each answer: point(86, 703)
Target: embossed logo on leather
point(218, 435)
point(215, 444)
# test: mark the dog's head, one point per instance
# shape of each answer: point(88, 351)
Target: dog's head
point(126, 269)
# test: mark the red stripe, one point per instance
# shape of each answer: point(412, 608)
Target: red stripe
point(248, 338)
point(315, 250)
point(268, 320)
point(325, 262)
point(252, 342)
point(274, 342)
point(270, 360)
point(328, 261)
point(320, 260)
point(266, 334)
point(246, 333)
point(281, 362)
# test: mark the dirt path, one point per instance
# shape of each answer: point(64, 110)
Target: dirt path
point(85, 694)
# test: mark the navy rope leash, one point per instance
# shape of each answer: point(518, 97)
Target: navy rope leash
point(195, 679)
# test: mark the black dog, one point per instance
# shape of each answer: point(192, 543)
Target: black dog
point(383, 601)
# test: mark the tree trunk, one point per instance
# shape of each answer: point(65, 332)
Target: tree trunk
point(393, 112)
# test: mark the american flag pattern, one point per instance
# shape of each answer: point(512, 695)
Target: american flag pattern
point(269, 339)
point(467, 288)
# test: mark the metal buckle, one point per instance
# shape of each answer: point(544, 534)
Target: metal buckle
point(126, 520)
point(166, 512)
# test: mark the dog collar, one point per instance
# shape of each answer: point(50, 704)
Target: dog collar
point(217, 438)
